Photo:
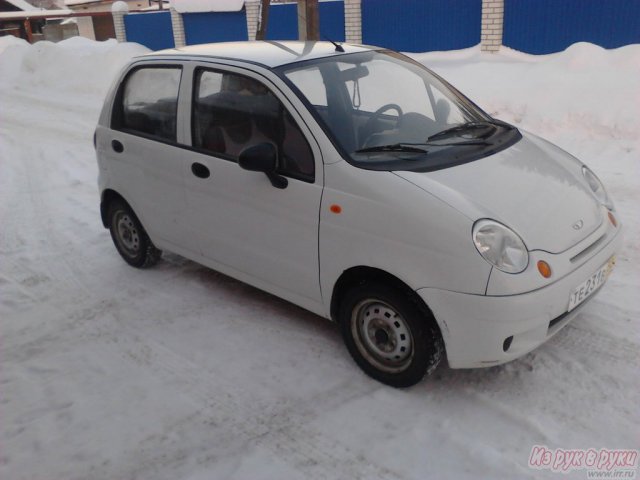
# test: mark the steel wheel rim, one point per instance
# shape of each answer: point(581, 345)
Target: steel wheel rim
point(127, 234)
point(382, 335)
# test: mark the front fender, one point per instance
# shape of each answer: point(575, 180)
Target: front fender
point(388, 223)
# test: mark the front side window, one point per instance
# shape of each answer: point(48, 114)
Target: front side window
point(385, 111)
point(232, 112)
point(148, 102)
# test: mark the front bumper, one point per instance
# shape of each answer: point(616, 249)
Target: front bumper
point(475, 327)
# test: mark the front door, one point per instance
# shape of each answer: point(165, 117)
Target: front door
point(269, 234)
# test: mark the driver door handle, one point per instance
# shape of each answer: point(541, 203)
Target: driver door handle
point(117, 146)
point(200, 170)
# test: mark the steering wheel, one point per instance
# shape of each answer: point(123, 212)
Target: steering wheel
point(368, 127)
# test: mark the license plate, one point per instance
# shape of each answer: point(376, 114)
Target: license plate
point(591, 284)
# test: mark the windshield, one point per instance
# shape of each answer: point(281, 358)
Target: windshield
point(385, 111)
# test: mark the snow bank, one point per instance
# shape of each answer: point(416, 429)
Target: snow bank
point(11, 41)
point(75, 65)
point(584, 87)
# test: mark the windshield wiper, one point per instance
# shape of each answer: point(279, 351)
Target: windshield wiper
point(412, 148)
point(459, 144)
point(463, 128)
point(395, 147)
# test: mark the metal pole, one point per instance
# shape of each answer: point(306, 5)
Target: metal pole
point(308, 20)
point(313, 20)
point(27, 30)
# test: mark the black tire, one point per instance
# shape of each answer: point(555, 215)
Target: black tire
point(390, 335)
point(130, 238)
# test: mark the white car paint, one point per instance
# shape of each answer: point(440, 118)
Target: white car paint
point(414, 226)
point(522, 194)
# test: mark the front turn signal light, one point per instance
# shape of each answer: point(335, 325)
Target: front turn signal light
point(544, 269)
point(613, 220)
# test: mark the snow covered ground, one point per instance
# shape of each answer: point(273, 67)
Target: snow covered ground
point(178, 372)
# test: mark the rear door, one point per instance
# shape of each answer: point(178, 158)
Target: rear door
point(245, 223)
point(144, 159)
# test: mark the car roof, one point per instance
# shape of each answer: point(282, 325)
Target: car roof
point(267, 53)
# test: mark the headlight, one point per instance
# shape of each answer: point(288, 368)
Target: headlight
point(500, 246)
point(597, 187)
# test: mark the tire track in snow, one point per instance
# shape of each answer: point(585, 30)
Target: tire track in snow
point(38, 215)
point(601, 348)
point(76, 129)
point(284, 433)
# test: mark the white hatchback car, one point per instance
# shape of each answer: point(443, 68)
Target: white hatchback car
point(355, 183)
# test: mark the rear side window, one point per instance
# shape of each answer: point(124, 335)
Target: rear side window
point(147, 103)
point(232, 112)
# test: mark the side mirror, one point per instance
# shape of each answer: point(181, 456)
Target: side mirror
point(262, 157)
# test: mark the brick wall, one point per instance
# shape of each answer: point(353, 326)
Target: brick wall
point(118, 11)
point(353, 21)
point(492, 23)
point(118, 26)
point(178, 29)
point(252, 8)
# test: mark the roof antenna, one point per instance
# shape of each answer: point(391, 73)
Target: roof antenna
point(337, 45)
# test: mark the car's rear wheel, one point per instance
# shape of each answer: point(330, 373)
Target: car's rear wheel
point(389, 335)
point(130, 238)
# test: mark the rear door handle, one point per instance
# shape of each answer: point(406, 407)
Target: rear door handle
point(117, 146)
point(199, 170)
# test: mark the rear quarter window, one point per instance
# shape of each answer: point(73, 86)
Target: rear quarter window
point(147, 103)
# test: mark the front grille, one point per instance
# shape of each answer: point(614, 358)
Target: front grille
point(587, 250)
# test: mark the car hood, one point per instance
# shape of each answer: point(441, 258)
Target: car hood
point(533, 187)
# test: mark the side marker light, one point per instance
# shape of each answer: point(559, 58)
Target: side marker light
point(544, 269)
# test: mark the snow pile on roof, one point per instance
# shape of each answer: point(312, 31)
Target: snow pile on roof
point(584, 87)
point(76, 65)
point(189, 6)
point(22, 5)
point(33, 14)
point(79, 2)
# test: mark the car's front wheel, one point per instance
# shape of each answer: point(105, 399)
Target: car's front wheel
point(389, 335)
point(130, 238)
